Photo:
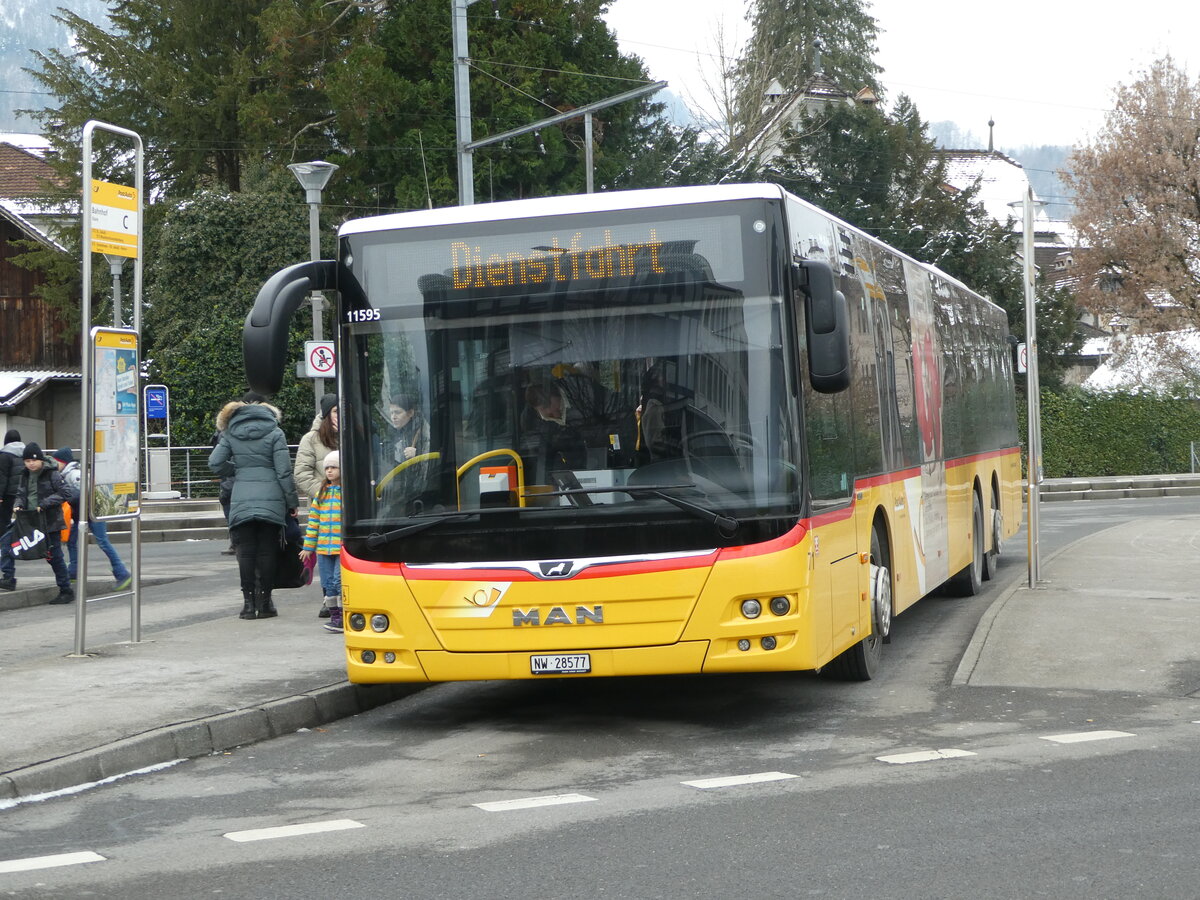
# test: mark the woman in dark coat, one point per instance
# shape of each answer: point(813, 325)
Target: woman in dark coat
point(251, 447)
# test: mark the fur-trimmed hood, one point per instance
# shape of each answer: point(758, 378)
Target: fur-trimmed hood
point(227, 411)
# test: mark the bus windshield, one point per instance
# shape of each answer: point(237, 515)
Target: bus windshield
point(575, 380)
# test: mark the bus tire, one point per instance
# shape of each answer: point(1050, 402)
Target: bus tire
point(861, 662)
point(991, 559)
point(969, 581)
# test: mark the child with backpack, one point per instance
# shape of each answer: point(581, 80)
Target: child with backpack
point(69, 468)
point(40, 488)
point(323, 536)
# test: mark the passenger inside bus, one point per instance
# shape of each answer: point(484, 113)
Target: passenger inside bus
point(568, 423)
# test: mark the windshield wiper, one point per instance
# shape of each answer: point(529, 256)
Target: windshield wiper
point(377, 540)
point(727, 525)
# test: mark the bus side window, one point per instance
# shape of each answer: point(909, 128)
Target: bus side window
point(830, 448)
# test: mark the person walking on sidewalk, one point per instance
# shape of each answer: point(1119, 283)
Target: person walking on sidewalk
point(10, 470)
point(252, 448)
point(42, 488)
point(69, 468)
point(315, 446)
point(323, 536)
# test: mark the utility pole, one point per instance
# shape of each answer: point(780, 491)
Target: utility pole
point(462, 110)
point(1033, 394)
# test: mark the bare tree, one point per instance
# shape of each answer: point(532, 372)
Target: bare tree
point(1138, 204)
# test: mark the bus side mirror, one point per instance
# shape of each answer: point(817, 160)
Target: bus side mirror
point(268, 325)
point(826, 325)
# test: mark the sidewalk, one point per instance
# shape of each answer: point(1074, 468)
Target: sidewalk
point(1117, 611)
point(201, 681)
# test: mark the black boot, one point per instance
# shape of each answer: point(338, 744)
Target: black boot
point(247, 605)
point(266, 609)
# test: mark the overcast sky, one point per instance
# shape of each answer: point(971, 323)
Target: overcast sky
point(1043, 69)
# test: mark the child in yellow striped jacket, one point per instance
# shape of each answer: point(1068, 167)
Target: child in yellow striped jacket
point(323, 537)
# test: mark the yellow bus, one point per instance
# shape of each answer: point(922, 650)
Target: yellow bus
point(703, 429)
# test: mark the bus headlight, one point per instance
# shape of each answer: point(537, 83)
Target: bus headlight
point(379, 622)
point(358, 621)
point(768, 643)
point(780, 605)
point(751, 609)
point(368, 656)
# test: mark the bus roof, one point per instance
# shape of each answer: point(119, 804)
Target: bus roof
point(558, 206)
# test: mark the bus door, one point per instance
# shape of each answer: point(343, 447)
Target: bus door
point(833, 553)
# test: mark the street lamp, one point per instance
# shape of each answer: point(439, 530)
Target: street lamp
point(313, 176)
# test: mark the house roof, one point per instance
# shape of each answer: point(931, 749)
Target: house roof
point(23, 177)
point(22, 172)
point(1002, 180)
point(18, 386)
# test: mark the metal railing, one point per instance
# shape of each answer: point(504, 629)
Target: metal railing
point(190, 474)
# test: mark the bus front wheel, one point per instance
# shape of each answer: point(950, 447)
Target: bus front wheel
point(861, 662)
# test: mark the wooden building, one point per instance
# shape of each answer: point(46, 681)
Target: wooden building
point(40, 354)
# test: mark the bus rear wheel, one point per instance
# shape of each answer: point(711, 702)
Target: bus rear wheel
point(991, 559)
point(861, 662)
point(969, 581)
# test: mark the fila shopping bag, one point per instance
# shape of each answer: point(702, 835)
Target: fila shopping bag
point(28, 535)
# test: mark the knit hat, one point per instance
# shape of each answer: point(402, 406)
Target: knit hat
point(328, 402)
point(64, 455)
point(33, 451)
point(12, 436)
point(332, 459)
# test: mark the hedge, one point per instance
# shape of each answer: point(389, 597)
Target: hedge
point(1094, 434)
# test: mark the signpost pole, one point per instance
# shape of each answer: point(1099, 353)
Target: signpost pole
point(112, 219)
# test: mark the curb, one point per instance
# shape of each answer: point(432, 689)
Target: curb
point(202, 737)
point(40, 596)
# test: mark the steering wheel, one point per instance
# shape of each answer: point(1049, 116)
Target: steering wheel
point(420, 458)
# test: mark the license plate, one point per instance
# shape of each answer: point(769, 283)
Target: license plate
point(560, 663)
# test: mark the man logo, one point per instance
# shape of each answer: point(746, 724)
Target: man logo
point(556, 569)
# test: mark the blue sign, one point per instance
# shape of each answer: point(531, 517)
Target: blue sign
point(156, 402)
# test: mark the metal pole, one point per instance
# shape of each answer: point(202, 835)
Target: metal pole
point(587, 150)
point(318, 299)
point(462, 102)
point(1034, 404)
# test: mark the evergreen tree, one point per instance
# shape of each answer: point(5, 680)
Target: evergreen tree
point(208, 86)
point(206, 262)
point(883, 174)
point(783, 46)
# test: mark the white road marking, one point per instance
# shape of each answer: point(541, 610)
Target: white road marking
point(900, 759)
point(267, 834)
point(63, 792)
point(1080, 736)
point(531, 802)
point(50, 862)
point(731, 780)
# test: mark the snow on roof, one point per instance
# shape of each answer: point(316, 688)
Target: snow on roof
point(1002, 180)
point(1097, 346)
point(1154, 363)
point(17, 387)
point(31, 143)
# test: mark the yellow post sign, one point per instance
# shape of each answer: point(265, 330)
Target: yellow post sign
point(115, 225)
